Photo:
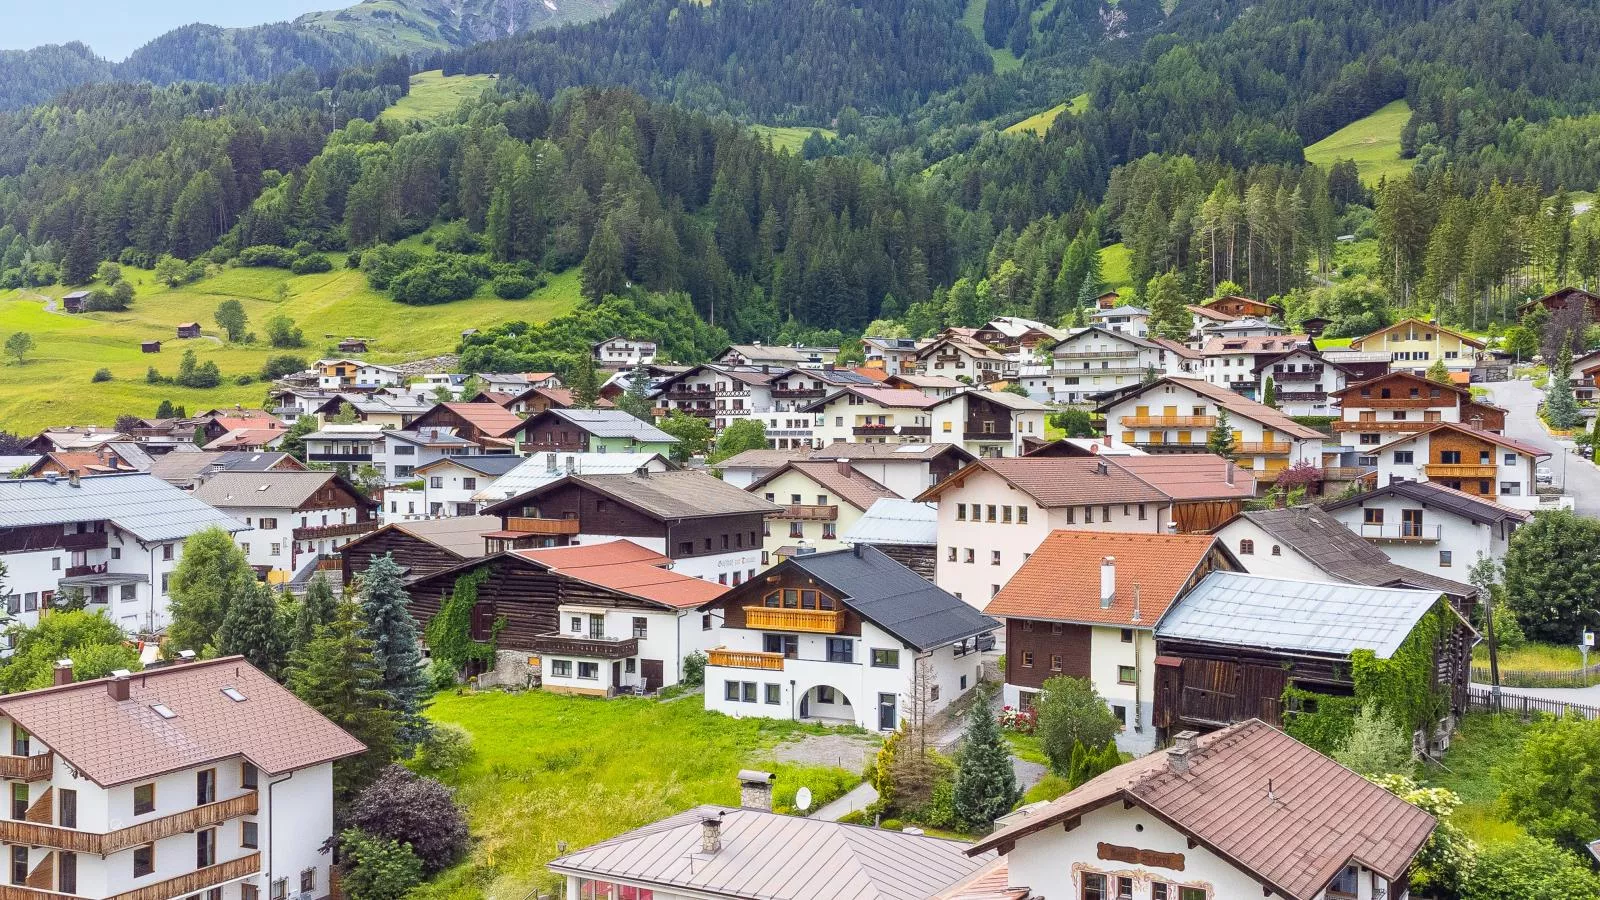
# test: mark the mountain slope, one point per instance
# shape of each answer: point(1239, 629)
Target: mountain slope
point(423, 26)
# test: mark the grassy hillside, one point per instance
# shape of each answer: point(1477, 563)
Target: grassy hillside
point(53, 386)
point(421, 26)
point(972, 17)
point(1114, 268)
point(1040, 123)
point(434, 95)
point(1373, 142)
point(790, 138)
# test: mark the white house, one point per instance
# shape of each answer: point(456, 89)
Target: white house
point(1099, 359)
point(345, 448)
point(1303, 382)
point(1126, 319)
point(873, 415)
point(720, 394)
point(1378, 410)
point(959, 355)
point(117, 538)
point(848, 637)
point(1429, 527)
point(1244, 812)
point(545, 466)
point(450, 484)
point(777, 356)
point(204, 779)
point(895, 356)
point(988, 423)
point(339, 374)
point(1467, 459)
point(1232, 361)
point(817, 500)
point(1176, 415)
point(403, 452)
point(292, 519)
point(624, 353)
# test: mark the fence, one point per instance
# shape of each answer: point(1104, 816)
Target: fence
point(1482, 698)
point(1536, 678)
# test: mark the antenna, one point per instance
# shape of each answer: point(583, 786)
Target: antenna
point(802, 799)
point(1135, 602)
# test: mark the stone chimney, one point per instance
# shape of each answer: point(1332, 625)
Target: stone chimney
point(63, 673)
point(755, 789)
point(1228, 478)
point(844, 467)
point(117, 685)
point(1108, 581)
point(1178, 754)
point(711, 834)
point(186, 656)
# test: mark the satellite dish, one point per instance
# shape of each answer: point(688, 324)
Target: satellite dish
point(802, 799)
point(897, 429)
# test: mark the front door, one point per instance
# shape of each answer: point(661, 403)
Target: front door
point(616, 675)
point(887, 720)
point(651, 670)
point(1411, 523)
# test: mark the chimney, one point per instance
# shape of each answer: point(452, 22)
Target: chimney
point(711, 834)
point(72, 478)
point(844, 467)
point(1107, 439)
point(1228, 478)
point(856, 548)
point(63, 673)
point(1108, 581)
point(755, 789)
point(118, 684)
point(1178, 753)
point(1100, 468)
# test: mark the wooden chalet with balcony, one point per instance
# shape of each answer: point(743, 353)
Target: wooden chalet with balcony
point(1241, 307)
point(1383, 409)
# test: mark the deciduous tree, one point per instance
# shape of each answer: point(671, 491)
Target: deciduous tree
point(1071, 712)
point(212, 574)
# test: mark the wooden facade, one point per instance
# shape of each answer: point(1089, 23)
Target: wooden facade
point(1201, 516)
point(1461, 461)
point(1240, 307)
point(808, 597)
point(919, 558)
point(419, 558)
point(542, 431)
point(599, 513)
point(1038, 650)
point(987, 419)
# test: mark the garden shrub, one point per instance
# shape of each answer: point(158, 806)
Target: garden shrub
point(446, 746)
point(377, 868)
point(101, 375)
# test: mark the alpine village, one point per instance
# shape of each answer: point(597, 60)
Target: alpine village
point(800, 450)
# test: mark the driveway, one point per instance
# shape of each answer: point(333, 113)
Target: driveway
point(1580, 479)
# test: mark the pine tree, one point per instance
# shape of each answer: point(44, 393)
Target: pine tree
point(77, 267)
point(337, 676)
point(1439, 372)
point(212, 574)
point(986, 784)
point(1269, 393)
point(385, 607)
point(250, 629)
point(636, 401)
point(1560, 406)
point(1169, 315)
point(585, 383)
point(601, 274)
point(318, 608)
point(1219, 439)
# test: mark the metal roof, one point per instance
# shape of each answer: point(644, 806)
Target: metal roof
point(892, 520)
point(262, 489)
point(484, 464)
point(1236, 609)
point(895, 598)
point(140, 504)
point(546, 466)
point(1432, 494)
point(1331, 546)
point(613, 423)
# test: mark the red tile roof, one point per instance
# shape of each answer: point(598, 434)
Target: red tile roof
point(490, 418)
point(1191, 476)
point(1061, 580)
point(1059, 480)
point(1296, 835)
point(629, 568)
point(113, 741)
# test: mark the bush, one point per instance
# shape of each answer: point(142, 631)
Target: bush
point(266, 255)
point(435, 281)
point(694, 669)
point(1071, 712)
point(283, 364)
point(377, 868)
point(416, 810)
point(441, 674)
point(892, 825)
point(513, 287)
point(1375, 745)
point(282, 333)
point(383, 264)
point(244, 378)
point(447, 746)
point(455, 238)
point(311, 265)
point(1529, 867)
point(1549, 787)
point(101, 375)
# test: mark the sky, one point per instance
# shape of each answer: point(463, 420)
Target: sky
point(115, 28)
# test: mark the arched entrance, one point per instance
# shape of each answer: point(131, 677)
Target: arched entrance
point(827, 705)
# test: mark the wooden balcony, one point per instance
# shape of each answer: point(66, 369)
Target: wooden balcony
point(797, 393)
point(738, 659)
point(1455, 470)
point(88, 540)
point(530, 525)
point(1356, 401)
point(343, 529)
point(77, 571)
point(1301, 396)
point(1099, 354)
point(38, 835)
point(891, 430)
point(814, 621)
point(1282, 377)
point(577, 645)
point(193, 882)
point(28, 768)
point(998, 437)
point(1263, 448)
point(1169, 421)
point(1374, 425)
point(807, 512)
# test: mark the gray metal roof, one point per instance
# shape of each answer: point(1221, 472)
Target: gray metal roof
point(140, 504)
point(614, 423)
point(1236, 609)
point(255, 489)
point(484, 464)
point(1329, 545)
point(894, 521)
point(1437, 496)
point(776, 857)
point(895, 598)
point(536, 470)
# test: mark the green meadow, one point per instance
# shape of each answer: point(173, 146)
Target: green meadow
point(433, 94)
point(1373, 142)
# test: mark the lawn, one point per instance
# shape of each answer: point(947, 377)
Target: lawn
point(1534, 657)
point(433, 94)
point(1483, 742)
point(790, 137)
point(550, 768)
point(1114, 268)
point(52, 387)
point(972, 17)
point(1373, 142)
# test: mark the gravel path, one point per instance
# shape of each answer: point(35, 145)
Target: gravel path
point(850, 752)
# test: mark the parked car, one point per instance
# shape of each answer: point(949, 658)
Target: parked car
point(1544, 476)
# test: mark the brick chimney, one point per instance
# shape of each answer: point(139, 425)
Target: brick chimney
point(119, 682)
point(755, 789)
point(63, 673)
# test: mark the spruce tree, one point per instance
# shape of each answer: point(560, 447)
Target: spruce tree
point(318, 608)
point(250, 629)
point(1560, 406)
point(1219, 439)
point(602, 274)
point(986, 785)
point(636, 399)
point(1269, 393)
point(337, 676)
point(385, 607)
point(585, 383)
point(1169, 317)
point(1439, 372)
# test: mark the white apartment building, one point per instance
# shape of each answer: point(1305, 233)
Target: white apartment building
point(1426, 526)
point(872, 415)
point(621, 352)
point(291, 518)
point(1131, 320)
point(339, 374)
point(1232, 361)
point(1099, 359)
point(199, 779)
point(1176, 415)
point(721, 394)
point(545, 466)
point(451, 484)
point(116, 538)
point(895, 356)
point(1478, 462)
point(1303, 383)
point(988, 423)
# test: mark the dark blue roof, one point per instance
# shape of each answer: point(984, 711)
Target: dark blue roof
point(895, 598)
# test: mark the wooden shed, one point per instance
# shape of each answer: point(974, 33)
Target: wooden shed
point(353, 345)
point(150, 346)
point(189, 329)
point(73, 302)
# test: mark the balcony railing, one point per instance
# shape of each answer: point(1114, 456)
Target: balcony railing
point(28, 768)
point(1359, 402)
point(796, 393)
point(338, 457)
point(75, 571)
point(1109, 371)
point(815, 621)
point(995, 436)
point(1169, 421)
point(587, 647)
point(1455, 470)
point(1374, 425)
point(1344, 473)
point(745, 659)
point(1301, 396)
point(1261, 447)
point(678, 394)
point(530, 525)
point(193, 882)
point(33, 834)
point(315, 532)
point(890, 430)
point(1099, 354)
point(1402, 532)
point(1281, 377)
point(807, 512)
point(88, 540)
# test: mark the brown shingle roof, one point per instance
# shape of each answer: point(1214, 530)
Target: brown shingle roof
point(853, 488)
point(664, 495)
point(113, 742)
point(1215, 315)
point(490, 418)
point(1059, 480)
point(1061, 580)
point(1317, 817)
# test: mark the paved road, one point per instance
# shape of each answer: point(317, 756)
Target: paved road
point(1580, 478)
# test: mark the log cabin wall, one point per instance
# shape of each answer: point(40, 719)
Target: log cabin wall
point(418, 557)
point(1042, 643)
point(712, 534)
point(918, 558)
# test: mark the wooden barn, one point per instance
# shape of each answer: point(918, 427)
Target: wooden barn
point(353, 345)
point(74, 302)
point(150, 346)
point(189, 329)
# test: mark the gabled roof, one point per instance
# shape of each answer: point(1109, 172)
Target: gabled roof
point(1014, 402)
point(1235, 404)
point(891, 520)
point(776, 857)
point(491, 464)
point(1433, 495)
point(1109, 332)
point(761, 459)
point(1061, 580)
point(1218, 345)
point(1059, 481)
point(924, 382)
point(1181, 349)
point(606, 423)
point(1237, 298)
point(890, 452)
point(628, 568)
point(461, 536)
point(142, 505)
point(187, 466)
point(114, 742)
point(889, 398)
point(537, 471)
point(1280, 614)
point(1345, 556)
point(276, 490)
point(492, 419)
point(1317, 817)
point(852, 487)
point(894, 598)
point(663, 495)
point(1306, 350)
point(1354, 389)
point(1211, 314)
point(1190, 476)
point(1469, 341)
point(1501, 440)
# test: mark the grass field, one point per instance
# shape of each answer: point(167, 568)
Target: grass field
point(972, 17)
point(1114, 268)
point(52, 387)
point(1534, 657)
point(434, 95)
point(1039, 123)
point(1373, 142)
point(1483, 742)
point(789, 137)
point(552, 768)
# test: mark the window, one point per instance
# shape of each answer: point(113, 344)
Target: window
point(19, 865)
point(994, 557)
point(748, 691)
point(19, 741)
point(774, 694)
point(885, 659)
point(469, 484)
point(1247, 547)
point(205, 787)
point(1022, 515)
point(1510, 488)
point(308, 880)
point(280, 889)
point(1055, 662)
point(951, 557)
point(971, 556)
point(787, 644)
point(1346, 883)
point(641, 627)
point(1444, 559)
point(730, 691)
point(1125, 674)
point(67, 811)
point(1403, 457)
point(797, 529)
point(205, 848)
point(1450, 457)
point(166, 551)
point(19, 801)
point(248, 835)
point(144, 799)
point(144, 860)
point(589, 670)
point(961, 512)
point(1127, 635)
point(1124, 888)
point(1027, 659)
point(990, 513)
point(829, 531)
point(561, 668)
point(705, 621)
point(841, 650)
point(1510, 459)
point(1159, 892)
point(1094, 886)
point(247, 776)
point(1277, 550)
point(1371, 439)
point(1121, 714)
point(436, 481)
point(1005, 515)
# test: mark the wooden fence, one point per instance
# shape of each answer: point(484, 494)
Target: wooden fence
point(1535, 678)
point(1482, 698)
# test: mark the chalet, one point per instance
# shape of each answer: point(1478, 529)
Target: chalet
point(1303, 381)
point(1430, 527)
point(451, 482)
point(624, 353)
point(353, 345)
point(1362, 366)
point(1563, 298)
point(536, 400)
point(353, 374)
point(1255, 637)
point(421, 547)
point(906, 469)
point(1187, 824)
point(777, 356)
point(709, 529)
point(1015, 334)
point(1107, 300)
point(209, 757)
point(1232, 361)
point(103, 460)
point(1315, 326)
point(540, 469)
point(1176, 415)
point(187, 469)
point(937, 386)
point(590, 431)
point(515, 383)
point(149, 346)
point(720, 394)
point(244, 428)
point(400, 453)
point(289, 404)
point(74, 437)
point(293, 520)
point(597, 620)
point(743, 469)
point(959, 356)
point(1400, 404)
point(1414, 345)
point(116, 538)
point(841, 497)
point(1129, 319)
point(75, 302)
point(1243, 307)
point(1467, 459)
point(485, 424)
point(383, 408)
point(873, 415)
point(189, 329)
point(894, 356)
point(903, 530)
point(988, 423)
point(1097, 359)
point(1200, 317)
point(848, 637)
point(1085, 604)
